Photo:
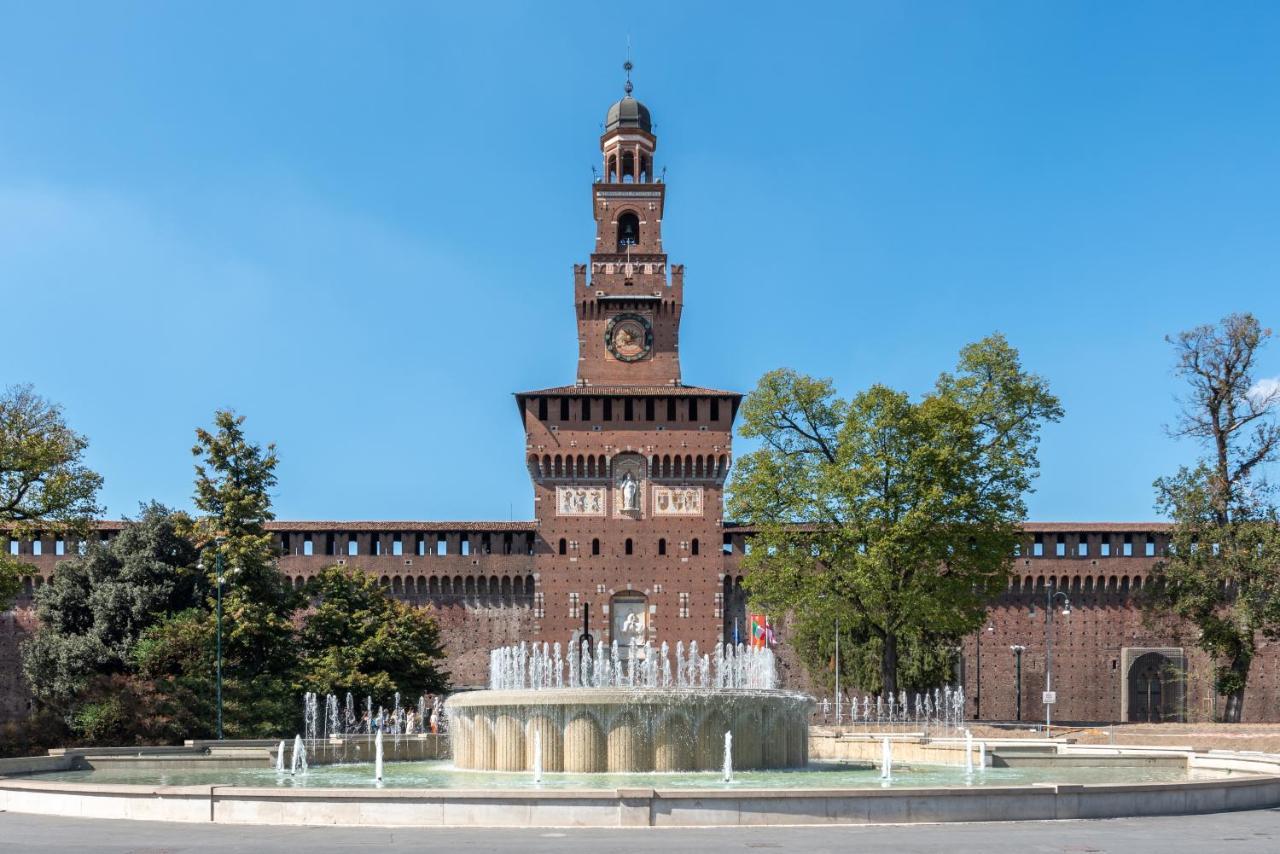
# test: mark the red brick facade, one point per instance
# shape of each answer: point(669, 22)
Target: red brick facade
point(628, 467)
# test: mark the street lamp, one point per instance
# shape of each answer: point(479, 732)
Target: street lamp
point(1050, 596)
point(1017, 649)
point(838, 706)
point(977, 688)
point(219, 579)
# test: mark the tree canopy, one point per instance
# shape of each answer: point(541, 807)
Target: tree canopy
point(98, 605)
point(359, 639)
point(1222, 572)
point(234, 477)
point(898, 517)
point(44, 483)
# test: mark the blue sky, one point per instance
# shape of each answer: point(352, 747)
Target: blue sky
point(355, 223)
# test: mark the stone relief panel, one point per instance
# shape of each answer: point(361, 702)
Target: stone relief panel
point(629, 615)
point(580, 500)
point(677, 501)
point(629, 475)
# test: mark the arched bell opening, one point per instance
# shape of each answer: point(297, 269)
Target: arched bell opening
point(628, 231)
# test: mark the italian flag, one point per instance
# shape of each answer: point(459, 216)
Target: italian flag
point(761, 631)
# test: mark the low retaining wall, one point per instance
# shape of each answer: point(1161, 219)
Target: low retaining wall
point(630, 807)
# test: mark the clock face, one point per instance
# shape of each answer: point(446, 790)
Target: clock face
point(629, 337)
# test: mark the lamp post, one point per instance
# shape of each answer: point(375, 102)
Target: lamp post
point(977, 688)
point(1017, 649)
point(838, 706)
point(217, 571)
point(219, 578)
point(1050, 596)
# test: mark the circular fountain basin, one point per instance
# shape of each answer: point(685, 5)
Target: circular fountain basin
point(1055, 781)
point(621, 730)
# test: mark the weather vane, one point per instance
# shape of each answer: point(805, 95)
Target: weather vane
point(627, 66)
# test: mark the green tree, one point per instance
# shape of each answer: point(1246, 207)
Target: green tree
point(1222, 571)
point(96, 608)
point(234, 477)
point(899, 517)
point(359, 639)
point(44, 483)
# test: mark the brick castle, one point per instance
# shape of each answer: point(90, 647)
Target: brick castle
point(628, 467)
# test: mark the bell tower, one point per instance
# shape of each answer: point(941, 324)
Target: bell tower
point(628, 464)
point(627, 299)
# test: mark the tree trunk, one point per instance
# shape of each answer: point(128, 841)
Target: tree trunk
point(889, 665)
point(1234, 712)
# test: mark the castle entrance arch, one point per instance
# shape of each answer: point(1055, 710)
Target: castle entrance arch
point(1155, 685)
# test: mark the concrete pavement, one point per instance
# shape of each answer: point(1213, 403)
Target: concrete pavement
point(1222, 833)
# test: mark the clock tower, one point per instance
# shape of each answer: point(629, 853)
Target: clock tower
point(628, 464)
point(627, 300)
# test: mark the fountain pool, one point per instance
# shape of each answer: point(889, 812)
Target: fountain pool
point(441, 775)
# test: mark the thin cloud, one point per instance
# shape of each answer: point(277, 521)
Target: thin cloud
point(1265, 391)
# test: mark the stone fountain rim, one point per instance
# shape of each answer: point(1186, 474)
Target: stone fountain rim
point(632, 696)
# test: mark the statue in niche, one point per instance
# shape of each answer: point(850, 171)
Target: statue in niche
point(630, 493)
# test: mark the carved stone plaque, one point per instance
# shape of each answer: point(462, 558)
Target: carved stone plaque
point(677, 501)
point(630, 615)
point(580, 500)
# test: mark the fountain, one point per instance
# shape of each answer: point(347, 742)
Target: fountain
point(537, 757)
point(377, 757)
point(886, 759)
point(625, 709)
point(299, 763)
point(968, 753)
point(728, 757)
point(280, 758)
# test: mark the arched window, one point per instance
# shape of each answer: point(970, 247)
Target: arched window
point(693, 546)
point(662, 546)
point(564, 546)
point(628, 547)
point(595, 546)
point(628, 231)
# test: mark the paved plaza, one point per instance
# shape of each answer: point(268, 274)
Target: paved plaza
point(1223, 833)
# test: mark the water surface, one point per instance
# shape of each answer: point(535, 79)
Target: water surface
point(442, 775)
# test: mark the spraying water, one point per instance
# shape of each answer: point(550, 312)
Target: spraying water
point(540, 666)
point(298, 765)
point(886, 759)
point(728, 756)
point(982, 756)
point(537, 756)
point(968, 753)
point(280, 758)
point(377, 757)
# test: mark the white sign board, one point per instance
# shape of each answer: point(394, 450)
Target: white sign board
point(1049, 697)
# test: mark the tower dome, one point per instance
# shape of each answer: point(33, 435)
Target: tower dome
point(628, 141)
point(628, 113)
